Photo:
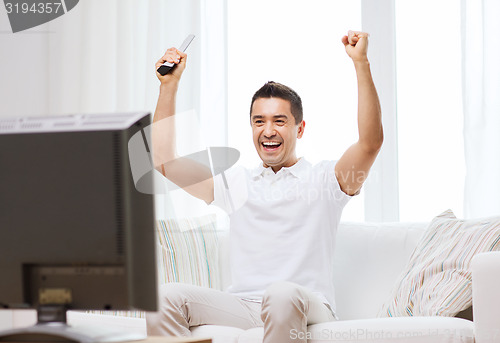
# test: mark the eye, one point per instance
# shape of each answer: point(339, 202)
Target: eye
point(258, 122)
point(280, 122)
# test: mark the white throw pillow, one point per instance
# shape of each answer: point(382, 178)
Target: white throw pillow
point(437, 280)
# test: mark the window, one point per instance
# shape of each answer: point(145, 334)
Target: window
point(429, 101)
point(299, 45)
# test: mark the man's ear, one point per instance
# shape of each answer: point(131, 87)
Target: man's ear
point(300, 131)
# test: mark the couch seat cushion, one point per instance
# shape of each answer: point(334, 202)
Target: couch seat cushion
point(400, 330)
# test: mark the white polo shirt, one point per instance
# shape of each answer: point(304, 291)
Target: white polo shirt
point(282, 226)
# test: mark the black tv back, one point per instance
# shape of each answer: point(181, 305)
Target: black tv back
point(73, 228)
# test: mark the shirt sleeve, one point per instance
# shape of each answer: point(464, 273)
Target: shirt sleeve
point(338, 195)
point(221, 196)
point(230, 191)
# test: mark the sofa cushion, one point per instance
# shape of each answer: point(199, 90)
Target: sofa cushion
point(400, 330)
point(437, 280)
point(188, 251)
point(369, 258)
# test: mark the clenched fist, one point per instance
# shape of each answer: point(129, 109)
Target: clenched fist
point(356, 45)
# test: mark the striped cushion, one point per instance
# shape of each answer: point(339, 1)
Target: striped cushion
point(188, 251)
point(437, 279)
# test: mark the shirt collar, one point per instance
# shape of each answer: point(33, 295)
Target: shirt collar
point(298, 170)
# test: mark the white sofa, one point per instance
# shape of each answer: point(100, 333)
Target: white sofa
point(369, 259)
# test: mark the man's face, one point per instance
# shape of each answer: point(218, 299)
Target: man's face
point(275, 132)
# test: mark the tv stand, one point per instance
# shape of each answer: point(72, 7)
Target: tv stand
point(53, 327)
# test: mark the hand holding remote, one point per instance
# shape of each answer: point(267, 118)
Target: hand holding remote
point(167, 64)
point(177, 59)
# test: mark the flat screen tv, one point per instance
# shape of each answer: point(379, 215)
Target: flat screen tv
point(75, 233)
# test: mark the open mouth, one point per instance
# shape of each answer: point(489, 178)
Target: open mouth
point(270, 146)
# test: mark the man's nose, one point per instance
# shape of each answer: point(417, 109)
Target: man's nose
point(269, 130)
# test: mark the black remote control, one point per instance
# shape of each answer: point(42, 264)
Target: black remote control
point(167, 66)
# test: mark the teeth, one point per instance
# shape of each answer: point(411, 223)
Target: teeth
point(271, 143)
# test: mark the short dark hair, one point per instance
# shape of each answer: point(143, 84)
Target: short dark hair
point(277, 90)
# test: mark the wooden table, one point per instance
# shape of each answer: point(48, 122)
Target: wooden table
point(160, 339)
point(157, 339)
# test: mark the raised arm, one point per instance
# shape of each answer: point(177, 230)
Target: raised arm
point(353, 167)
point(193, 177)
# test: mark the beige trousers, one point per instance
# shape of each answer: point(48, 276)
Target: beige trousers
point(285, 311)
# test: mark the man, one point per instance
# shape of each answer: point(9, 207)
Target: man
point(283, 215)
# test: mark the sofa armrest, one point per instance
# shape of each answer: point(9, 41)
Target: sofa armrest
point(485, 296)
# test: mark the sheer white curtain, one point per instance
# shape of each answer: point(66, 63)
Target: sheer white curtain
point(101, 58)
point(481, 94)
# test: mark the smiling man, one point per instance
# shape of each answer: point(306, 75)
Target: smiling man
point(283, 214)
point(275, 125)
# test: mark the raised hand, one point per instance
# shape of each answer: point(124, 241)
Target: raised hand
point(356, 45)
point(177, 57)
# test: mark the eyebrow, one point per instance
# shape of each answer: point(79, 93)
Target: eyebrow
point(259, 116)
